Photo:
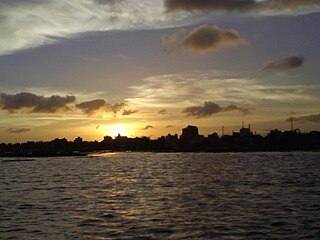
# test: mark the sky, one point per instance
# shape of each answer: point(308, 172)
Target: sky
point(93, 68)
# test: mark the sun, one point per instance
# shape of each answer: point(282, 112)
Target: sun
point(114, 130)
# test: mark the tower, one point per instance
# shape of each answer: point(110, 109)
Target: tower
point(291, 121)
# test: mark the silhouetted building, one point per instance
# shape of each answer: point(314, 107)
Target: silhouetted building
point(190, 137)
point(213, 138)
point(190, 140)
point(189, 132)
point(78, 140)
point(119, 137)
point(107, 139)
point(243, 132)
point(171, 141)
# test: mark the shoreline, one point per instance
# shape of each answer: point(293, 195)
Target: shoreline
point(98, 153)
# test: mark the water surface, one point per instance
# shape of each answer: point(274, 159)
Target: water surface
point(162, 196)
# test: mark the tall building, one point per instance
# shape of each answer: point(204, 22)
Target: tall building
point(190, 136)
point(189, 132)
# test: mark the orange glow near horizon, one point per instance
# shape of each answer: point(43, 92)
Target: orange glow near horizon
point(114, 130)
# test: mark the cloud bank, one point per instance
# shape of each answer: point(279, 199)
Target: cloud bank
point(304, 119)
point(35, 103)
point(237, 5)
point(26, 102)
point(287, 63)
point(18, 130)
point(128, 112)
point(202, 39)
point(209, 5)
point(209, 108)
point(27, 24)
point(93, 106)
point(181, 91)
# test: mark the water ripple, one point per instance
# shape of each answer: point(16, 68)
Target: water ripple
point(162, 196)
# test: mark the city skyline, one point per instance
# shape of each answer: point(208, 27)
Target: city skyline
point(149, 67)
point(247, 129)
point(190, 140)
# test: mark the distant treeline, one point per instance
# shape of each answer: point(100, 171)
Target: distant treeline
point(189, 141)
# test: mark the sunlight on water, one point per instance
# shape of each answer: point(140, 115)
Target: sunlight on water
point(162, 196)
point(103, 154)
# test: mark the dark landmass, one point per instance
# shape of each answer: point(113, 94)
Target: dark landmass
point(188, 141)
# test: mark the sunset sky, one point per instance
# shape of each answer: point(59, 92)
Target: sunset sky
point(93, 68)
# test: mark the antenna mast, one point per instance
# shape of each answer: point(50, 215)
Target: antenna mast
point(291, 121)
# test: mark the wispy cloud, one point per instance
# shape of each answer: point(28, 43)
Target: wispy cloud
point(184, 90)
point(29, 23)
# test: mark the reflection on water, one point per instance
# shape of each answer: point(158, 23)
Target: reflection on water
point(103, 154)
point(162, 196)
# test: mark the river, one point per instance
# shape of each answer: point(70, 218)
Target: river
point(161, 196)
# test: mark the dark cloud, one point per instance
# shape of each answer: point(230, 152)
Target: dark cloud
point(202, 39)
point(107, 2)
point(236, 5)
point(147, 127)
point(244, 111)
point(115, 107)
point(209, 5)
point(210, 108)
point(18, 130)
point(34, 103)
point(287, 63)
point(207, 109)
point(129, 112)
point(90, 107)
point(19, 2)
point(169, 126)
point(163, 112)
point(303, 119)
point(290, 4)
